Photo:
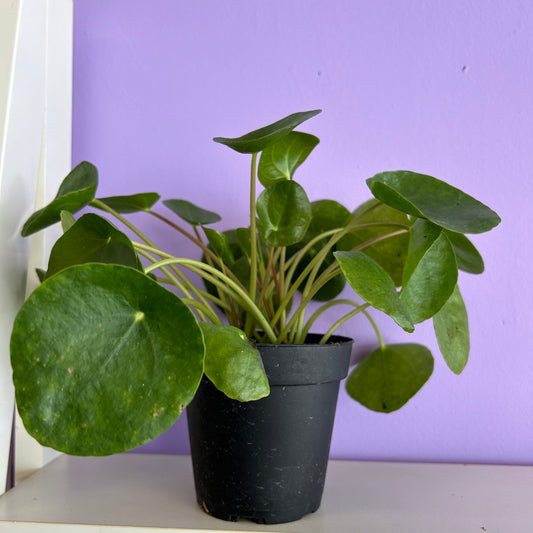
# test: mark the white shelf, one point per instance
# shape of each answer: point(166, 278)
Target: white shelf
point(134, 492)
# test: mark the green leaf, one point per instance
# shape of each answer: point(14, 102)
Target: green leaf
point(426, 197)
point(468, 258)
point(75, 192)
point(284, 212)
point(220, 244)
point(390, 253)
point(451, 329)
point(92, 239)
point(104, 359)
point(232, 364)
point(389, 377)
point(243, 238)
point(67, 220)
point(372, 283)
point(430, 272)
point(327, 215)
point(192, 213)
point(41, 274)
point(280, 160)
point(258, 140)
point(131, 203)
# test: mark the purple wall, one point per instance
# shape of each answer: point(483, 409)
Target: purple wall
point(443, 88)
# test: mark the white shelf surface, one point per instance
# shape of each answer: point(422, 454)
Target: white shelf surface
point(136, 492)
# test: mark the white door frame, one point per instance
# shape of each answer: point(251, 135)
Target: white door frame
point(35, 154)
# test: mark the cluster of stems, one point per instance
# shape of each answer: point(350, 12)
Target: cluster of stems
point(262, 309)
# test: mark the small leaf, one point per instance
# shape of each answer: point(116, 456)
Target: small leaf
point(131, 203)
point(468, 258)
point(192, 213)
point(389, 377)
point(284, 212)
point(92, 239)
point(430, 272)
point(372, 283)
point(451, 329)
point(41, 274)
point(104, 359)
point(258, 140)
point(426, 197)
point(220, 244)
point(279, 160)
point(232, 364)
point(67, 220)
point(75, 192)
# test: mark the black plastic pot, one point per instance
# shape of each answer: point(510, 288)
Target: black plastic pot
point(266, 460)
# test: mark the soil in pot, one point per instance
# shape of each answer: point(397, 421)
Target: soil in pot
point(266, 460)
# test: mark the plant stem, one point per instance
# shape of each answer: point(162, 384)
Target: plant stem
point(184, 232)
point(185, 285)
point(281, 281)
point(329, 272)
point(338, 323)
point(312, 319)
point(204, 309)
point(226, 283)
point(100, 205)
point(253, 243)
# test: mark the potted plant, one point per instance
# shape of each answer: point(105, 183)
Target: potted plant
point(105, 357)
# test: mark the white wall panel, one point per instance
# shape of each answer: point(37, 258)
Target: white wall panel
point(35, 133)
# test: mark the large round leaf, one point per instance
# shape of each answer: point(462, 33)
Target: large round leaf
point(91, 239)
point(233, 364)
point(75, 192)
point(284, 212)
point(258, 140)
point(280, 160)
point(427, 197)
point(386, 379)
point(104, 359)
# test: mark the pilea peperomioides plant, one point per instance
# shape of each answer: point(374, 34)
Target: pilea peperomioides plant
point(105, 357)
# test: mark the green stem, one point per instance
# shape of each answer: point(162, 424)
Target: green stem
point(330, 271)
point(184, 284)
point(358, 309)
point(196, 240)
point(203, 309)
point(226, 283)
point(253, 244)
point(312, 319)
point(337, 324)
point(212, 299)
point(100, 205)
